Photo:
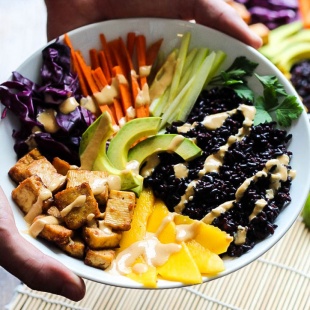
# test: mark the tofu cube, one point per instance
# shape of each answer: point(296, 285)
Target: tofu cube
point(75, 248)
point(62, 167)
point(18, 172)
point(44, 227)
point(101, 259)
point(97, 238)
point(30, 195)
point(47, 172)
point(96, 179)
point(118, 214)
point(76, 213)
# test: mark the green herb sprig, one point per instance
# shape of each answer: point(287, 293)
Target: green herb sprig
point(273, 105)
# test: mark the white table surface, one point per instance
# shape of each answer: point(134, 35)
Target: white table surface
point(22, 32)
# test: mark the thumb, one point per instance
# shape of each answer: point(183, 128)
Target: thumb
point(30, 265)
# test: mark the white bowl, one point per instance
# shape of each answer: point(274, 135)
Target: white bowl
point(88, 37)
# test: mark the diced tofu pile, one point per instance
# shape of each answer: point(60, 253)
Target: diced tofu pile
point(73, 208)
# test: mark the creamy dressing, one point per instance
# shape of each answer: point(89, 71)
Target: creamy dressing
point(163, 80)
point(151, 162)
point(68, 105)
point(258, 207)
point(89, 104)
point(114, 182)
point(48, 119)
point(108, 92)
point(240, 235)
point(130, 113)
point(37, 227)
point(215, 121)
point(98, 185)
point(186, 127)
point(180, 171)
point(187, 232)
point(189, 192)
point(154, 253)
point(133, 166)
point(216, 212)
point(77, 203)
point(144, 71)
point(175, 143)
point(104, 228)
point(143, 96)
point(36, 208)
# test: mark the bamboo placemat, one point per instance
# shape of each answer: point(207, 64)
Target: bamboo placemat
point(280, 279)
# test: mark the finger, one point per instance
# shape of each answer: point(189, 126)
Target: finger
point(225, 19)
point(31, 266)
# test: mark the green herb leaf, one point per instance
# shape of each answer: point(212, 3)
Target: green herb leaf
point(261, 116)
point(285, 111)
point(288, 111)
point(242, 67)
point(235, 76)
point(244, 92)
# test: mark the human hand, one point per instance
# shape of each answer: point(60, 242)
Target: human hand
point(31, 266)
point(64, 16)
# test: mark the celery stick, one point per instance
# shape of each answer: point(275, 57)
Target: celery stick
point(189, 58)
point(191, 71)
point(219, 59)
point(158, 106)
point(179, 66)
point(193, 93)
point(172, 110)
point(164, 76)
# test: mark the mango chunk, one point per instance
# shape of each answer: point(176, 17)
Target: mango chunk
point(212, 238)
point(209, 236)
point(142, 211)
point(208, 263)
point(167, 234)
point(147, 278)
point(160, 211)
point(181, 267)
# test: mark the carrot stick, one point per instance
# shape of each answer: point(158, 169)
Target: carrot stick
point(100, 76)
point(152, 52)
point(86, 72)
point(131, 37)
point(75, 66)
point(120, 56)
point(141, 56)
point(94, 60)
point(304, 9)
point(104, 66)
point(105, 107)
point(123, 87)
point(118, 110)
point(106, 51)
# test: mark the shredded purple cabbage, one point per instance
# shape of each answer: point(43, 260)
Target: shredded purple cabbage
point(27, 100)
point(272, 13)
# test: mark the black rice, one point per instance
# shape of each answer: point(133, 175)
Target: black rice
point(242, 160)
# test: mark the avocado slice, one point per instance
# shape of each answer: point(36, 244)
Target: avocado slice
point(182, 146)
point(95, 135)
point(93, 152)
point(130, 133)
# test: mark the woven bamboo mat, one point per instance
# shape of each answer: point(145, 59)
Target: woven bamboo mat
point(280, 279)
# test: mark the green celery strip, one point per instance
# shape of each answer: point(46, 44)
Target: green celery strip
point(193, 93)
point(179, 66)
